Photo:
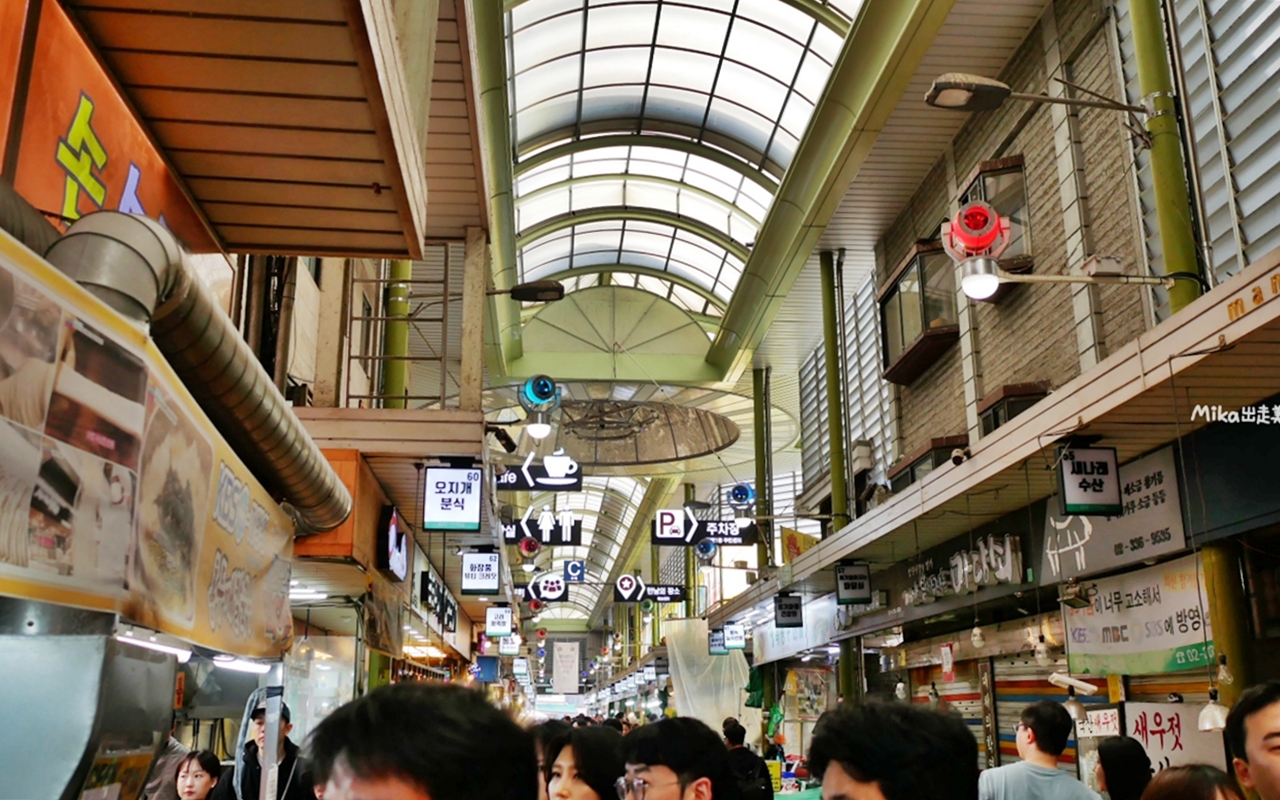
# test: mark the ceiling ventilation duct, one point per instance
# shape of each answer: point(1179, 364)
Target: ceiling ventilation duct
point(137, 267)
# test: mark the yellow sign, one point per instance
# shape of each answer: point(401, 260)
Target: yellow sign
point(794, 543)
point(116, 492)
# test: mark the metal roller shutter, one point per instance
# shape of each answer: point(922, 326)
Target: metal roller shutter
point(1193, 686)
point(868, 393)
point(1229, 54)
point(1021, 681)
point(963, 695)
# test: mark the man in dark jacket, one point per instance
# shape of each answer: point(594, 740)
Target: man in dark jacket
point(293, 780)
point(749, 768)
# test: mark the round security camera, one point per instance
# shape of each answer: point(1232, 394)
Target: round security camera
point(540, 389)
point(741, 495)
point(958, 456)
point(705, 550)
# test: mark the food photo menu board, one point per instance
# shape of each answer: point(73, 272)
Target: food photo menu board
point(116, 492)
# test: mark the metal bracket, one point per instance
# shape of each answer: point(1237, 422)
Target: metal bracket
point(1149, 103)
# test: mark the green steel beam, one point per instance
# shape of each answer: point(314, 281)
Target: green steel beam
point(610, 213)
point(690, 565)
point(824, 14)
point(620, 178)
point(656, 496)
point(641, 140)
point(706, 294)
point(764, 503)
point(835, 394)
point(879, 57)
point(1168, 169)
point(502, 317)
point(395, 336)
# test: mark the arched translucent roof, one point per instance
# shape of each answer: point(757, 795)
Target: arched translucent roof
point(638, 243)
point(724, 90)
point(681, 295)
point(607, 508)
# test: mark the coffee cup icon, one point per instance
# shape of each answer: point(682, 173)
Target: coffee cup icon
point(559, 466)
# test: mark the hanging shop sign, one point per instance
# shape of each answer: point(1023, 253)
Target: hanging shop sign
point(995, 559)
point(735, 636)
point(650, 672)
point(547, 527)
point(82, 150)
point(393, 545)
point(853, 584)
point(633, 589)
point(575, 571)
point(497, 621)
point(1089, 482)
point(1142, 623)
point(1170, 733)
point(1099, 723)
point(509, 646)
point(383, 616)
point(557, 473)
point(788, 611)
point(437, 600)
point(453, 499)
point(116, 492)
point(1150, 524)
point(520, 667)
point(564, 668)
point(715, 642)
point(680, 528)
point(550, 587)
point(480, 573)
point(948, 663)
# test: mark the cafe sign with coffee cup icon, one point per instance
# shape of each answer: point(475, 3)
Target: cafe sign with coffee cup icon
point(558, 472)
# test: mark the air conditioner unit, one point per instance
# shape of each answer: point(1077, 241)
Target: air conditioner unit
point(862, 457)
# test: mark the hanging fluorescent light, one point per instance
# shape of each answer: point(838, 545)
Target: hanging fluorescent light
point(183, 655)
point(241, 665)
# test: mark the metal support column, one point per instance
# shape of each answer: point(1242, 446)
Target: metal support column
point(768, 696)
point(764, 503)
point(1168, 171)
point(655, 567)
point(850, 670)
point(395, 338)
point(637, 619)
point(690, 567)
point(475, 271)
point(1228, 615)
point(831, 306)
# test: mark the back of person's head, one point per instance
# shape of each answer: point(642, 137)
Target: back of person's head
point(1252, 700)
point(912, 753)
point(611, 722)
point(448, 741)
point(728, 723)
point(206, 760)
point(735, 734)
point(688, 748)
point(1126, 766)
point(1193, 782)
point(597, 758)
point(545, 732)
point(1051, 724)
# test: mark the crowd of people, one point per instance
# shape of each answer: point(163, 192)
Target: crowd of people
point(421, 741)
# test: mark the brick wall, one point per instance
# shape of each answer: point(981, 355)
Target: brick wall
point(1030, 335)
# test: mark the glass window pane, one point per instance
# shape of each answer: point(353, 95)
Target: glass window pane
point(609, 26)
point(692, 29)
point(909, 292)
point(611, 103)
point(556, 35)
point(1007, 194)
point(939, 290)
point(751, 89)
point(892, 311)
point(693, 71)
point(616, 67)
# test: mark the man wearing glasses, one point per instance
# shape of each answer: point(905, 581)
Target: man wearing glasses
point(676, 759)
point(1042, 735)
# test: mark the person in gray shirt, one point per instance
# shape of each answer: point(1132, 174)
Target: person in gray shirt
point(1042, 735)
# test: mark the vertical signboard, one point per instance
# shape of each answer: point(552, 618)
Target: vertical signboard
point(853, 584)
point(497, 622)
point(1089, 481)
point(715, 642)
point(480, 573)
point(564, 668)
point(735, 636)
point(788, 611)
point(452, 499)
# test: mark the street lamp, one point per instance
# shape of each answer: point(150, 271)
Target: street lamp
point(980, 277)
point(959, 91)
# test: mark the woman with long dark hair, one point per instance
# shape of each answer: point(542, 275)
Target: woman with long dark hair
point(584, 764)
point(1124, 768)
point(1194, 782)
